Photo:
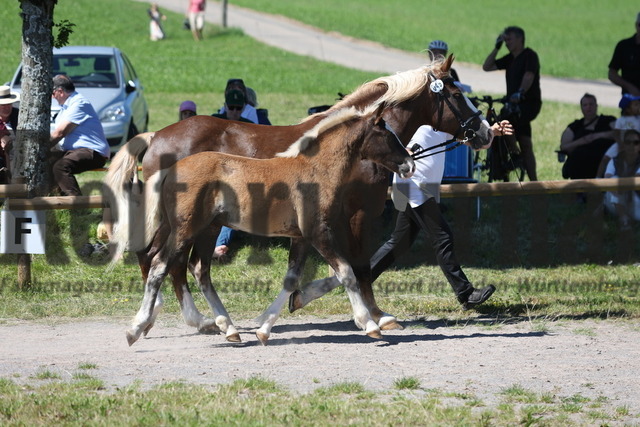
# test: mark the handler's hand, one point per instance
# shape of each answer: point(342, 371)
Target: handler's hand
point(502, 128)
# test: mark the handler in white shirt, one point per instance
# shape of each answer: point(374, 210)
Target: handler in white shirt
point(417, 199)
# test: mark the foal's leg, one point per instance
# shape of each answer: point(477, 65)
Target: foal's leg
point(362, 228)
point(144, 261)
point(200, 266)
point(324, 244)
point(190, 312)
point(157, 273)
point(297, 256)
point(360, 261)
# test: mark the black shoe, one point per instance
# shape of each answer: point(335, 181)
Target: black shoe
point(478, 296)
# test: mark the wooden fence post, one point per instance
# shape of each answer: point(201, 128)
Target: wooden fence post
point(24, 260)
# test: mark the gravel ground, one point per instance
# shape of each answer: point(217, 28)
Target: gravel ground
point(594, 359)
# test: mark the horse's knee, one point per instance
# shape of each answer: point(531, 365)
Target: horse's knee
point(290, 283)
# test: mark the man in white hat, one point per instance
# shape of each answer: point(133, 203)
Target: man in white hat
point(8, 124)
point(80, 134)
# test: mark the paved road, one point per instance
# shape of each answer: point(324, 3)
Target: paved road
point(302, 39)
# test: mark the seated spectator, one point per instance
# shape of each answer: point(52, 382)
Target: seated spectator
point(248, 112)
point(586, 140)
point(625, 205)
point(8, 125)
point(187, 109)
point(263, 113)
point(630, 119)
point(234, 105)
point(78, 134)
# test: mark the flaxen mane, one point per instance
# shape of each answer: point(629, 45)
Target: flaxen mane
point(400, 87)
point(338, 117)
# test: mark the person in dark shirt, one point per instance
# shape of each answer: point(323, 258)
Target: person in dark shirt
point(624, 68)
point(586, 140)
point(523, 88)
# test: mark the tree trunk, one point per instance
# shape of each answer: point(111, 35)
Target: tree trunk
point(32, 135)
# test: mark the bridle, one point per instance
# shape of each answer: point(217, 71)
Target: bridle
point(438, 86)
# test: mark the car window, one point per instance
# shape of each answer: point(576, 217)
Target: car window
point(87, 70)
point(129, 72)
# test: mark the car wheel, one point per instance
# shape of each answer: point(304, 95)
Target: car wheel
point(133, 131)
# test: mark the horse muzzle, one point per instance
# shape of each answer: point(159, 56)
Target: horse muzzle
point(407, 169)
point(482, 138)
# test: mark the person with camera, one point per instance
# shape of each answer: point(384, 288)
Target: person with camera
point(522, 74)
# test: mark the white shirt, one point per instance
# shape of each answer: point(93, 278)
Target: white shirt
point(425, 182)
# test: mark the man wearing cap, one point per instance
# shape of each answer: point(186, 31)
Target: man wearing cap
point(234, 103)
point(624, 68)
point(187, 109)
point(8, 124)
point(249, 111)
point(78, 133)
point(233, 106)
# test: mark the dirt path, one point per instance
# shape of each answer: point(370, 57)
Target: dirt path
point(590, 358)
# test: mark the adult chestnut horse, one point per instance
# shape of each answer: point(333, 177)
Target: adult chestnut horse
point(411, 103)
point(300, 195)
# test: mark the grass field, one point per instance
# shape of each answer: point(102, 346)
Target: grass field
point(574, 38)
point(560, 270)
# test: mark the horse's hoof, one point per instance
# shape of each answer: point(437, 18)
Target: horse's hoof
point(234, 337)
point(375, 334)
point(262, 337)
point(294, 301)
point(388, 324)
point(209, 328)
point(146, 330)
point(131, 338)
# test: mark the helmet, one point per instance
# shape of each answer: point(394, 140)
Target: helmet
point(438, 45)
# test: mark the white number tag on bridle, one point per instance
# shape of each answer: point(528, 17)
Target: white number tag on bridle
point(436, 86)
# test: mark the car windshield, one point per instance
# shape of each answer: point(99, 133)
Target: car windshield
point(87, 70)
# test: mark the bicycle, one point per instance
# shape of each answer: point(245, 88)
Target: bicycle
point(501, 161)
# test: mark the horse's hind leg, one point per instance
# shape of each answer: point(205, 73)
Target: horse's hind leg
point(144, 317)
point(190, 312)
point(144, 262)
point(297, 256)
point(200, 266)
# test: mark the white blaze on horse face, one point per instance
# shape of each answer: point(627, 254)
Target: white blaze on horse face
point(474, 109)
point(484, 123)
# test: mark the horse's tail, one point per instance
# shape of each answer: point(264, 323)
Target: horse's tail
point(124, 165)
point(152, 201)
point(123, 188)
point(139, 234)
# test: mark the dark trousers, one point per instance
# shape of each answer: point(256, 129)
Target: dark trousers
point(73, 162)
point(428, 218)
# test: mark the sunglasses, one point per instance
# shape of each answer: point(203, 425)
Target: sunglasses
point(234, 108)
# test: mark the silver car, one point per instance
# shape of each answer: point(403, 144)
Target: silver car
point(106, 77)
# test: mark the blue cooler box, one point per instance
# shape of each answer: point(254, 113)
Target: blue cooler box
point(458, 166)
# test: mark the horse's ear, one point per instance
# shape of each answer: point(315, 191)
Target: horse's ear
point(380, 112)
point(446, 65)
